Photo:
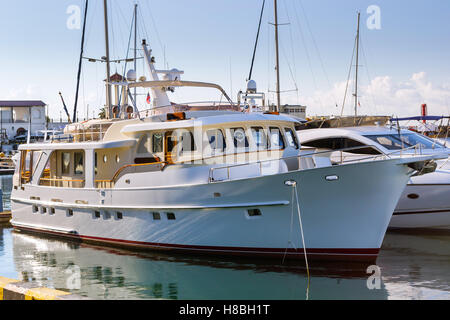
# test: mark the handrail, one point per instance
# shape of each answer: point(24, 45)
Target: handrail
point(130, 166)
point(62, 180)
point(211, 171)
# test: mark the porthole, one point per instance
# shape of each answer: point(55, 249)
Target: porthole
point(105, 158)
point(170, 216)
point(254, 213)
point(106, 215)
point(52, 211)
point(70, 213)
point(44, 210)
point(156, 216)
point(35, 209)
point(117, 159)
point(413, 196)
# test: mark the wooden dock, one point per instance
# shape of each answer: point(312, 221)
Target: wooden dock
point(5, 217)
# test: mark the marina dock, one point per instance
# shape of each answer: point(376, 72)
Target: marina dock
point(11, 289)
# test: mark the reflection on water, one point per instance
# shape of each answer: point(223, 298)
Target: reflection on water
point(118, 274)
point(415, 266)
point(6, 186)
point(412, 266)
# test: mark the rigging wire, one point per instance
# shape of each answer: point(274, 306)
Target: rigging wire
point(307, 52)
point(368, 74)
point(348, 79)
point(294, 74)
point(317, 49)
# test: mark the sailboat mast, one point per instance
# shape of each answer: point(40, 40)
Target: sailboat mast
point(135, 48)
point(108, 70)
point(277, 57)
point(357, 66)
point(80, 63)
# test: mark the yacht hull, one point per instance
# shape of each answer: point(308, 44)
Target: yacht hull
point(423, 206)
point(344, 217)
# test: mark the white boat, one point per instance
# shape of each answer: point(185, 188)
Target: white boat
point(214, 180)
point(425, 202)
point(202, 179)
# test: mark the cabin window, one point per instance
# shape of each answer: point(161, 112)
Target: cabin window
point(259, 135)
point(65, 163)
point(171, 142)
point(78, 163)
point(95, 163)
point(216, 140)
point(239, 138)
point(340, 144)
point(390, 142)
point(144, 145)
point(158, 142)
point(26, 165)
point(187, 142)
point(276, 139)
point(291, 138)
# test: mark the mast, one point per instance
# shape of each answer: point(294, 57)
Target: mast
point(108, 70)
point(357, 66)
point(135, 48)
point(277, 57)
point(80, 63)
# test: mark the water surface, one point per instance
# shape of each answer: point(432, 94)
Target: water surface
point(413, 266)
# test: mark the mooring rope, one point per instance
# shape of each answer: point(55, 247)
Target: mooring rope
point(293, 184)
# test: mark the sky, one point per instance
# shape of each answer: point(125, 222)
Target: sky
point(404, 54)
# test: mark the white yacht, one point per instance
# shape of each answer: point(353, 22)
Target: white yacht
point(425, 202)
point(205, 180)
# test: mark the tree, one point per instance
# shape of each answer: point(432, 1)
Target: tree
point(102, 114)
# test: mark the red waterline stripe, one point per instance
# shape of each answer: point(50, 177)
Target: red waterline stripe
point(420, 212)
point(322, 251)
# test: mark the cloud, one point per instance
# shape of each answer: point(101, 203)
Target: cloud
point(383, 96)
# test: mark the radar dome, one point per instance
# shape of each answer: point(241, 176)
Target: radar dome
point(131, 75)
point(251, 86)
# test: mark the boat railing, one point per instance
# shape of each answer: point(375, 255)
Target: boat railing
point(91, 133)
point(62, 183)
point(109, 183)
point(259, 168)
